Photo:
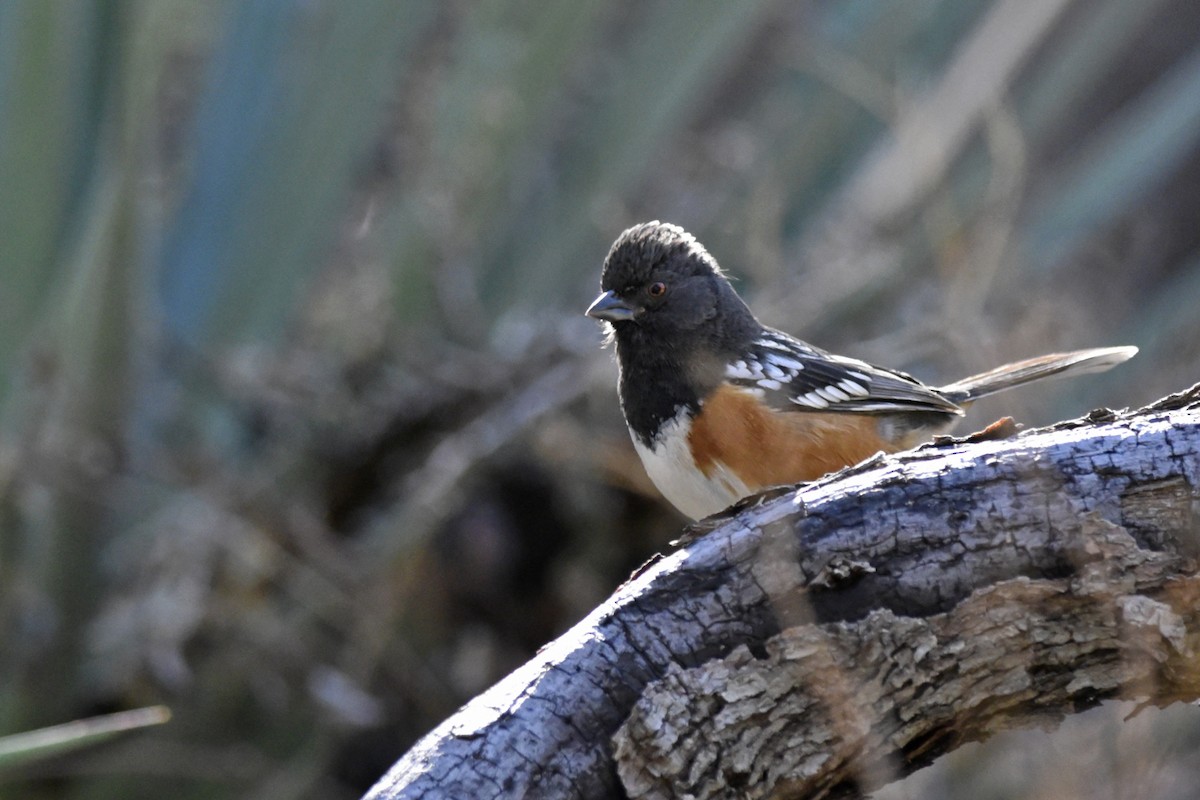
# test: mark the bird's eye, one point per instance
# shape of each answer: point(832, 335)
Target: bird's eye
point(656, 289)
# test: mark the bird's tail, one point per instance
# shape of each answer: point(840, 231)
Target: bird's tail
point(1079, 362)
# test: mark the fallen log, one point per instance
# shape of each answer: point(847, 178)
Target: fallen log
point(822, 640)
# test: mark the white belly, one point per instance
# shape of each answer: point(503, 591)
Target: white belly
point(670, 465)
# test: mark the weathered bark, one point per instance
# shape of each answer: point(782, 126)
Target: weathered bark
point(837, 635)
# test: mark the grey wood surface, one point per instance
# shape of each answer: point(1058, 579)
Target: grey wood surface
point(835, 636)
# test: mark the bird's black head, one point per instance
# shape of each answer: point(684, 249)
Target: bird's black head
point(659, 281)
point(676, 320)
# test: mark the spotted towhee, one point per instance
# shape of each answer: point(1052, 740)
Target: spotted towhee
point(721, 407)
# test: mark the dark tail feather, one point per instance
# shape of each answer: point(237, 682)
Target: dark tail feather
point(1079, 362)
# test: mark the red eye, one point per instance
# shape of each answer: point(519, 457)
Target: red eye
point(656, 289)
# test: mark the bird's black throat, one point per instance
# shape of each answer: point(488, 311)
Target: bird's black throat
point(660, 378)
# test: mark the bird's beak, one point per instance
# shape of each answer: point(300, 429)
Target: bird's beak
point(611, 308)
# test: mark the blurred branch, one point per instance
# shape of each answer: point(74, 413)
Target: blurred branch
point(854, 245)
point(934, 130)
point(428, 491)
point(22, 748)
point(832, 607)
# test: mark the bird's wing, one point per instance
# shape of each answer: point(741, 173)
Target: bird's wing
point(795, 376)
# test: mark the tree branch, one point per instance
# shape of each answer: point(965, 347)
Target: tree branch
point(832, 637)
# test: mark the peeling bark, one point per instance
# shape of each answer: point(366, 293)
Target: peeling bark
point(832, 637)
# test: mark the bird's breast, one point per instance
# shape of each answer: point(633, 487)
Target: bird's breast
point(737, 446)
point(669, 462)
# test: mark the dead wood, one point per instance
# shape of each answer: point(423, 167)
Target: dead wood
point(833, 637)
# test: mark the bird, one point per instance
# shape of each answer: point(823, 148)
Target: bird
point(721, 407)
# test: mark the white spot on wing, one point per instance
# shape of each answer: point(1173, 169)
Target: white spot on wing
point(833, 394)
point(783, 362)
point(742, 370)
point(858, 390)
point(774, 344)
point(811, 399)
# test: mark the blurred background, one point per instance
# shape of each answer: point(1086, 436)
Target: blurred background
point(303, 433)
